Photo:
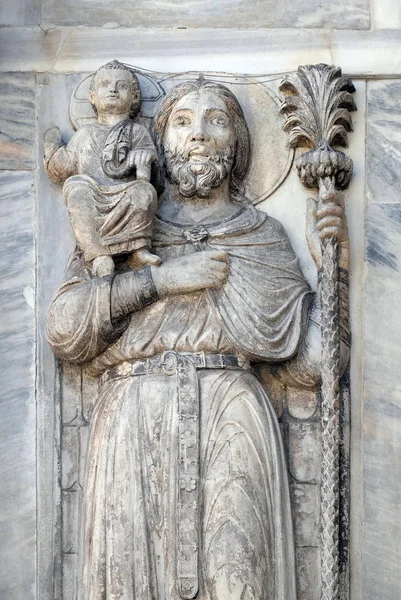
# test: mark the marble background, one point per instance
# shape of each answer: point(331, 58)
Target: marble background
point(17, 338)
point(381, 433)
point(39, 39)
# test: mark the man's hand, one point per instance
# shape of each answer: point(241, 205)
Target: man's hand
point(327, 221)
point(191, 273)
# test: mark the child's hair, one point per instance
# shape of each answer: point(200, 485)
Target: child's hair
point(116, 65)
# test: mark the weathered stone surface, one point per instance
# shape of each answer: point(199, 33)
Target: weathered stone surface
point(304, 451)
point(308, 581)
point(381, 443)
point(53, 93)
point(21, 13)
point(159, 13)
point(17, 121)
point(305, 505)
point(17, 382)
point(302, 404)
point(384, 141)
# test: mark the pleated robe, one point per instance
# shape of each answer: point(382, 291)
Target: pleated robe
point(129, 526)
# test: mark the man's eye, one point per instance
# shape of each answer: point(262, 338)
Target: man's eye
point(123, 86)
point(220, 121)
point(181, 121)
point(104, 83)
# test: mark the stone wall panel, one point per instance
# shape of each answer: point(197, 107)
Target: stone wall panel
point(17, 384)
point(353, 14)
point(17, 121)
point(381, 444)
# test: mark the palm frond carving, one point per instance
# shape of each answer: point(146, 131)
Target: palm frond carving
point(317, 105)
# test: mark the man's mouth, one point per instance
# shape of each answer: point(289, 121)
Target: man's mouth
point(199, 153)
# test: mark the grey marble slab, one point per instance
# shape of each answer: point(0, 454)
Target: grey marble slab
point(17, 385)
point(353, 14)
point(381, 442)
point(20, 13)
point(17, 121)
point(28, 48)
point(386, 14)
point(262, 50)
point(383, 148)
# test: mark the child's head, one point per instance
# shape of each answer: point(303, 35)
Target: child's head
point(115, 89)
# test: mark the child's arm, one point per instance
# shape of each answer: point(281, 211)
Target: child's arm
point(60, 160)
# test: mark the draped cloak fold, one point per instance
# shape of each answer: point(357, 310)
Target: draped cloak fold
point(130, 517)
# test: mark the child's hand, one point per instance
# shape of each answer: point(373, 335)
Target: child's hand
point(52, 139)
point(141, 157)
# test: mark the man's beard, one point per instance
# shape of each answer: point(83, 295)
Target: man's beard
point(198, 178)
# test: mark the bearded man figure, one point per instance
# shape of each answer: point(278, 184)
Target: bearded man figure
point(186, 492)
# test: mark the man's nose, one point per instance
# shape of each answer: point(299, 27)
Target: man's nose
point(113, 87)
point(199, 133)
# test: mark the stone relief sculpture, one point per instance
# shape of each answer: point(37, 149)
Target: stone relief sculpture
point(104, 166)
point(186, 490)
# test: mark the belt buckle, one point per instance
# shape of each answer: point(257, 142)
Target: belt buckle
point(201, 362)
point(222, 362)
point(169, 362)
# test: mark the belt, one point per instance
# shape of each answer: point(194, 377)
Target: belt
point(166, 363)
point(184, 367)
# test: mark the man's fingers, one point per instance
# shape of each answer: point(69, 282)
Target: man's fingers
point(335, 232)
point(330, 210)
point(218, 255)
point(329, 221)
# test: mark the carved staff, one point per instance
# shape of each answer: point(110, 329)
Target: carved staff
point(316, 106)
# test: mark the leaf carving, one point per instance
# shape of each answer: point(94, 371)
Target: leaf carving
point(317, 104)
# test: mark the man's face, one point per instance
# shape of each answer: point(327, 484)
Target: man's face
point(113, 91)
point(199, 143)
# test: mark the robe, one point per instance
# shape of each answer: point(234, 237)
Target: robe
point(241, 516)
point(108, 209)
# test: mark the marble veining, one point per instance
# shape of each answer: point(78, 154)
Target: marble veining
point(384, 141)
point(21, 13)
point(381, 527)
point(208, 13)
point(17, 121)
point(17, 403)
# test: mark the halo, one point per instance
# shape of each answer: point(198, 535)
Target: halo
point(82, 113)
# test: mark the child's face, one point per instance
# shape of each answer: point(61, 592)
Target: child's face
point(113, 91)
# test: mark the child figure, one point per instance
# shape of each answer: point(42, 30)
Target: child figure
point(106, 170)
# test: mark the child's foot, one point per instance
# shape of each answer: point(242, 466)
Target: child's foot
point(143, 257)
point(103, 266)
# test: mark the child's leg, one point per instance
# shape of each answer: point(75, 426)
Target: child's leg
point(84, 218)
point(130, 229)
